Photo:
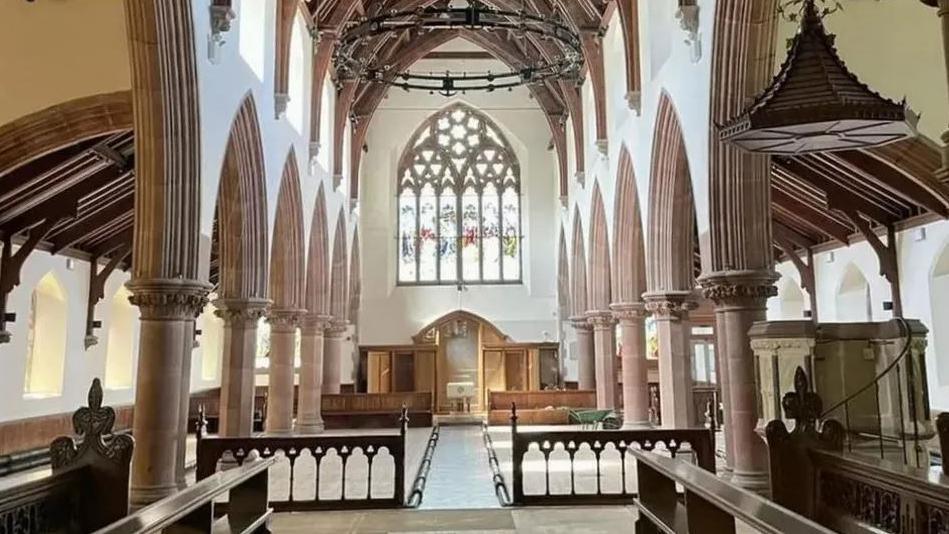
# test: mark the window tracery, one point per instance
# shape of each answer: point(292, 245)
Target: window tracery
point(459, 203)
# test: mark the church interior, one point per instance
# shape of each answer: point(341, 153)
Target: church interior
point(474, 266)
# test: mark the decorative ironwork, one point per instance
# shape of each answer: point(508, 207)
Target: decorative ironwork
point(211, 451)
point(94, 426)
point(354, 56)
point(620, 443)
point(815, 104)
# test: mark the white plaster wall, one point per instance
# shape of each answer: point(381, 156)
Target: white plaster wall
point(392, 314)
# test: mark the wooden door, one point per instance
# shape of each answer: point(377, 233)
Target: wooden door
point(403, 372)
point(515, 370)
point(379, 372)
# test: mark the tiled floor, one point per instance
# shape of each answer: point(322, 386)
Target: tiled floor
point(460, 476)
point(598, 520)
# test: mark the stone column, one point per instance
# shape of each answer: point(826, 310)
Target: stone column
point(184, 404)
point(241, 317)
point(741, 300)
point(283, 334)
point(309, 418)
point(167, 309)
point(585, 362)
point(604, 349)
point(671, 312)
point(632, 332)
point(943, 11)
point(333, 355)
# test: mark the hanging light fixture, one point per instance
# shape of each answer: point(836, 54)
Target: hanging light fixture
point(815, 104)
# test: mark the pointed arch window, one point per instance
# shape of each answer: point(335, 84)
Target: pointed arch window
point(459, 203)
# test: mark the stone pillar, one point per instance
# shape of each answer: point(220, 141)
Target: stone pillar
point(241, 317)
point(585, 362)
point(604, 349)
point(333, 355)
point(741, 300)
point(167, 309)
point(670, 309)
point(632, 332)
point(309, 418)
point(943, 11)
point(184, 404)
point(283, 334)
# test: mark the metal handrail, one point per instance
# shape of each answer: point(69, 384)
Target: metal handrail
point(893, 366)
point(421, 476)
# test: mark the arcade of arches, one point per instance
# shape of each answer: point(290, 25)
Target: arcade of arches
point(195, 203)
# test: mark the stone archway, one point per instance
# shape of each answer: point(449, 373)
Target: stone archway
point(600, 297)
point(287, 288)
point(242, 259)
point(670, 267)
point(629, 284)
point(339, 304)
point(578, 307)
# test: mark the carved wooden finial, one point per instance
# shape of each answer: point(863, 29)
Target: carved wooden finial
point(802, 404)
point(93, 423)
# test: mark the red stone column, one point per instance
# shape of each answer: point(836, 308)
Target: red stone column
point(741, 300)
point(586, 365)
point(241, 317)
point(670, 309)
point(280, 389)
point(632, 341)
point(604, 349)
point(333, 355)
point(309, 408)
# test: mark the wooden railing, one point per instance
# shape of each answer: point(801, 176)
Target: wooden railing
point(89, 486)
point(323, 469)
point(538, 407)
point(193, 509)
point(708, 505)
point(611, 453)
point(811, 474)
point(374, 410)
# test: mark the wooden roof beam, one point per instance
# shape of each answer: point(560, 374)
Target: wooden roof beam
point(925, 192)
point(814, 218)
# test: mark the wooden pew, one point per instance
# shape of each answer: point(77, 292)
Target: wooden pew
point(537, 407)
point(192, 509)
point(376, 410)
point(209, 400)
point(89, 487)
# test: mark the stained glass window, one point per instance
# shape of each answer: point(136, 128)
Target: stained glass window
point(459, 203)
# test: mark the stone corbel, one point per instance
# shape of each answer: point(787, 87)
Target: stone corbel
point(634, 99)
point(581, 178)
point(337, 181)
point(280, 101)
point(220, 22)
point(688, 17)
point(563, 202)
point(603, 147)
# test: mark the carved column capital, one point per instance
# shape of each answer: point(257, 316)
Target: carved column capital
point(336, 329)
point(746, 289)
point(601, 319)
point(285, 320)
point(169, 299)
point(581, 324)
point(314, 324)
point(670, 305)
point(628, 312)
point(243, 312)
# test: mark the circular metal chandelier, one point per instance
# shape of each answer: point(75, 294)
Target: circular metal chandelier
point(476, 17)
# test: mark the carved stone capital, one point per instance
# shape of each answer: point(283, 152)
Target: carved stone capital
point(628, 312)
point(670, 305)
point(336, 329)
point(581, 323)
point(284, 320)
point(221, 17)
point(169, 300)
point(313, 325)
point(688, 17)
point(314, 150)
point(740, 288)
point(241, 312)
point(601, 319)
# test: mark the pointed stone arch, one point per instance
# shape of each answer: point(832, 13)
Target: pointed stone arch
point(600, 272)
point(242, 210)
point(671, 207)
point(355, 279)
point(317, 271)
point(629, 248)
point(563, 279)
point(338, 285)
point(578, 269)
point(287, 261)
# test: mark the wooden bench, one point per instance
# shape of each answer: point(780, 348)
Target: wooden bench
point(192, 509)
point(538, 407)
point(376, 410)
point(708, 505)
point(89, 486)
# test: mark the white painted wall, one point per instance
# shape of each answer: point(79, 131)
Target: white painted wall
point(392, 314)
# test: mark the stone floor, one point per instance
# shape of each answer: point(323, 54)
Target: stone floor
point(595, 520)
